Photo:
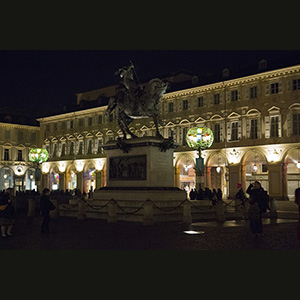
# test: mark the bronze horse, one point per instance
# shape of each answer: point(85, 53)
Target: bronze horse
point(136, 101)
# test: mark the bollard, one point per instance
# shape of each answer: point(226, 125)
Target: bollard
point(187, 212)
point(112, 215)
point(273, 208)
point(220, 216)
point(54, 213)
point(81, 209)
point(148, 212)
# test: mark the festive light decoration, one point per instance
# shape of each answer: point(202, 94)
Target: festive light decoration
point(199, 138)
point(38, 155)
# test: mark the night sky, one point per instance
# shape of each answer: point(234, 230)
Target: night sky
point(41, 80)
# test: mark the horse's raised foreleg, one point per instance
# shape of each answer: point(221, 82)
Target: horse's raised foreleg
point(156, 126)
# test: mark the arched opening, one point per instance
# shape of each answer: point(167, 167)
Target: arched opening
point(256, 168)
point(7, 178)
point(292, 162)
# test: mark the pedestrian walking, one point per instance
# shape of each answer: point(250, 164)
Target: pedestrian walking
point(46, 205)
point(7, 212)
point(297, 201)
point(255, 219)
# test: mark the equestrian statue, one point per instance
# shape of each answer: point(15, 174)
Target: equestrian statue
point(135, 101)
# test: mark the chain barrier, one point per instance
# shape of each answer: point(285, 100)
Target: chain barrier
point(128, 213)
point(168, 209)
point(202, 208)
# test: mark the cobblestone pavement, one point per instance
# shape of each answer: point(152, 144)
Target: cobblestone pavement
point(68, 233)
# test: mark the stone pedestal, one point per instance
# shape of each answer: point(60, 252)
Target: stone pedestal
point(140, 169)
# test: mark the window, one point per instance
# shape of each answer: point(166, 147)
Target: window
point(171, 107)
point(234, 95)
point(234, 131)
point(20, 136)
point(274, 126)
point(200, 102)
point(171, 133)
point(33, 136)
point(296, 124)
point(72, 148)
point(100, 119)
point(296, 84)
point(71, 124)
point(185, 104)
point(63, 151)
point(7, 134)
point(253, 92)
point(90, 121)
point(217, 133)
point(20, 158)
point(6, 154)
point(54, 150)
point(274, 88)
point(80, 148)
point(89, 151)
point(253, 129)
point(100, 143)
point(216, 98)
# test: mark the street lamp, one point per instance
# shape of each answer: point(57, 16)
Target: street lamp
point(38, 156)
point(199, 138)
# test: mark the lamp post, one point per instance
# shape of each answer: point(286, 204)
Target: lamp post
point(38, 156)
point(199, 138)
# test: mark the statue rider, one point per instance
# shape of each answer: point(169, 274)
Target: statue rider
point(133, 89)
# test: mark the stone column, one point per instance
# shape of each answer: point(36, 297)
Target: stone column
point(187, 213)
point(234, 178)
point(275, 181)
point(148, 213)
point(98, 179)
point(81, 209)
point(112, 215)
point(284, 182)
point(79, 181)
point(220, 215)
point(207, 177)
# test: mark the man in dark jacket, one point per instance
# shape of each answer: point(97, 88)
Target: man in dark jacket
point(258, 195)
point(46, 205)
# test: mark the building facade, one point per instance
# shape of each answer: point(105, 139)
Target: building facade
point(255, 120)
point(16, 140)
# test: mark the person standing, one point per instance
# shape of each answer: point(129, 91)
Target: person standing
point(46, 205)
point(297, 201)
point(254, 216)
point(258, 195)
point(7, 212)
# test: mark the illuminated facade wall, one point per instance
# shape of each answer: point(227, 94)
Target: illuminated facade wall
point(16, 171)
point(255, 121)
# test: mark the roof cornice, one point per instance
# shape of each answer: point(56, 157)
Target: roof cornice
point(232, 82)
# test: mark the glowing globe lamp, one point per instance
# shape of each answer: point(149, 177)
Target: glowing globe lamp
point(199, 138)
point(38, 155)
